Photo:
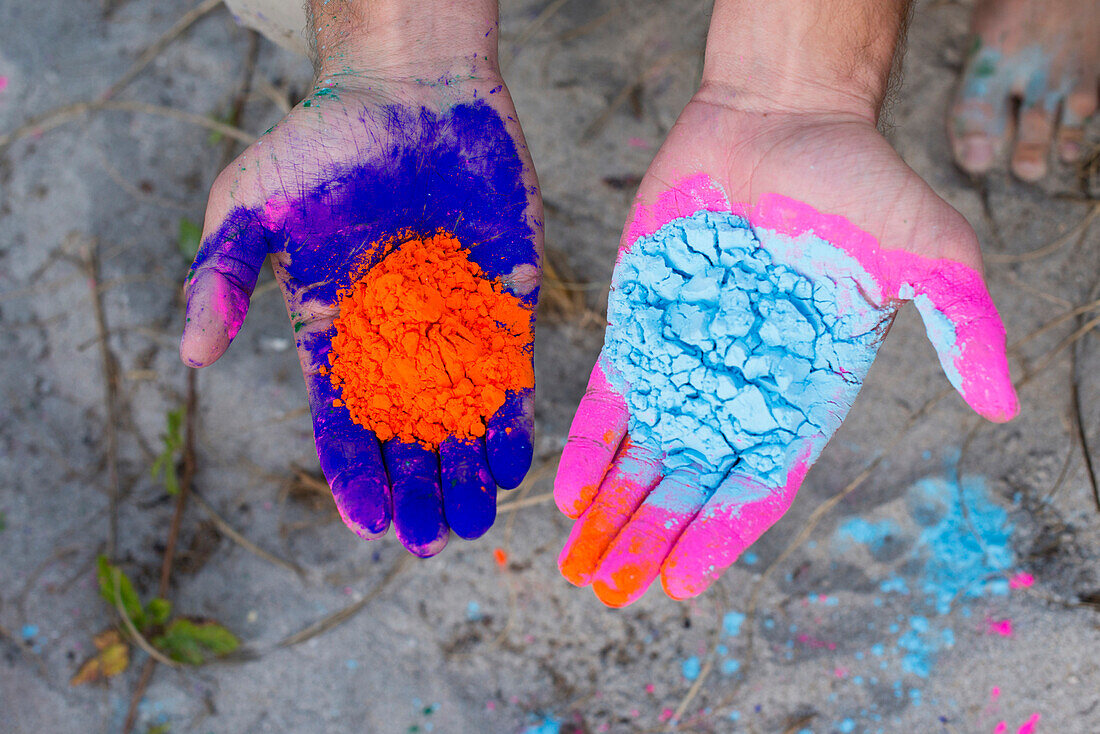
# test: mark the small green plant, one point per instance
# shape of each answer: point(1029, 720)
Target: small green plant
point(229, 118)
point(189, 238)
point(167, 463)
point(185, 640)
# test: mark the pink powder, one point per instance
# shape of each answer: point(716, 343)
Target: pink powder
point(1030, 724)
point(637, 142)
point(3, 83)
point(1002, 627)
point(1021, 580)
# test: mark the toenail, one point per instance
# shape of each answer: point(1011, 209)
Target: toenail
point(976, 153)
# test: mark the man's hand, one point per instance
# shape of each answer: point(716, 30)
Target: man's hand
point(772, 240)
point(422, 139)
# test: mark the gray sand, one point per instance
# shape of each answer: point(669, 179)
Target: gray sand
point(457, 644)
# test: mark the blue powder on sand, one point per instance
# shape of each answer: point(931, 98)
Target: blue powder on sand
point(549, 725)
point(729, 354)
point(965, 538)
point(691, 667)
point(30, 631)
point(731, 623)
point(871, 534)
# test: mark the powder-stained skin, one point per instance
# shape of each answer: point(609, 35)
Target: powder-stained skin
point(738, 337)
point(426, 347)
point(727, 355)
point(386, 169)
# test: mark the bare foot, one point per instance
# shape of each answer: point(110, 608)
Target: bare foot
point(1044, 54)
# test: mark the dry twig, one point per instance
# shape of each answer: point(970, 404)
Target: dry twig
point(155, 48)
point(343, 615)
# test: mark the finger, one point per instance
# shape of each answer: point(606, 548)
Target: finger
point(1034, 135)
point(634, 558)
point(508, 438)
point(635, 471)
point(351, 462)
point(737, 514)
point(469, 493)
point(963, 325)
point(979, 124)
point(597, 430)
point(1080, 104)
point(219, 285)
point(417, 499)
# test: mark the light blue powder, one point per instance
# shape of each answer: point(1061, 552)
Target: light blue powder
point(691, 668)
point(731, 623)
point(726, 353)
point(548, 725)
point(871, 534)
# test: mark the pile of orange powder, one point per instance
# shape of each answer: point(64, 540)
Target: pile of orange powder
point(426, 346)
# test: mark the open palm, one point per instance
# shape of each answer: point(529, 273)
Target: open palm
point(326, 193)
point(763, 262)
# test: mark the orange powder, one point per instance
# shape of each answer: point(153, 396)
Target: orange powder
point(426, 346)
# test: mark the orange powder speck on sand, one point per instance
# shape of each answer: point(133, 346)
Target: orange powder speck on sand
point(426, 347)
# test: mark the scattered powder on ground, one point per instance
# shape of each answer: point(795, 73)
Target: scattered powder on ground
point(426, 347)
point(728, 354)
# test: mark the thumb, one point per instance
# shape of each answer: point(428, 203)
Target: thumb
point(220, 284)
point(963, 325)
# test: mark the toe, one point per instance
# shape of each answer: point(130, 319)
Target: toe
point(979, 116)
point(1033, 140)
point(1078, 107)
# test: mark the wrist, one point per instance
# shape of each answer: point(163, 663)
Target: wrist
point(408, 38)
point(832, 56)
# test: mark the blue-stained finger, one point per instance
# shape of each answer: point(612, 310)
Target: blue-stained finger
point(417, 497)
point(350, 457)
point(219, 285)
point(508, 439)
point(469, 492)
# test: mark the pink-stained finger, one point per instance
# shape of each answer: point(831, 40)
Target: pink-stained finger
point(634, 558)
point(738, 513)
point(630, 479)
point(963, 325)
point(959, 315)
point(594, 437)
point(219, 287)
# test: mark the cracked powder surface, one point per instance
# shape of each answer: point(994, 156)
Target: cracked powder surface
point(726, 355)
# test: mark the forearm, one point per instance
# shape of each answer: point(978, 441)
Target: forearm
point(804, 55)
point(403, 36)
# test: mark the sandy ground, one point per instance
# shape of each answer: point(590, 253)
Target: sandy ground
point(890, 608)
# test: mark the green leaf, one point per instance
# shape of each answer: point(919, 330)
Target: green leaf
point(158, 610)
point(229, 118)
point(194, 643)
point(172, 440)
point(190, 236)
point(131, 602)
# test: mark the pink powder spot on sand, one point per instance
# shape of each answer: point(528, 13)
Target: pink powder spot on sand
point(1021, 580)
point(650, 688)
point(1000, 728)
point(815, 643)
point(1002, 627)
point(666, 715)
point(994, 694)
point(3, 83)
point(491, 705)
point(1030, 724)
point(636, 142)
point(840, 672)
